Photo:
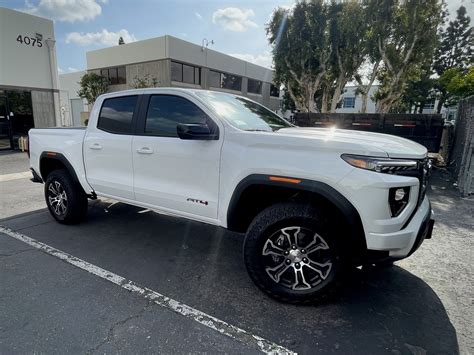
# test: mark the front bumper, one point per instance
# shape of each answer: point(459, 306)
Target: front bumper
point(403, 243)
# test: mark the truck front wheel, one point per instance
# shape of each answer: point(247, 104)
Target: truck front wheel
point(66, 200)
point(291, 253)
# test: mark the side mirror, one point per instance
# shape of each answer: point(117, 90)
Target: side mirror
point(196, 131)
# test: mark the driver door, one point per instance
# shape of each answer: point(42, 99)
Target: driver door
point(173, 174)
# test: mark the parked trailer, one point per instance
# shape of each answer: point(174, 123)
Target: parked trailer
point(425, 129)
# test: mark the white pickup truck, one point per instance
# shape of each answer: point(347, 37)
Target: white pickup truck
point(311, 201)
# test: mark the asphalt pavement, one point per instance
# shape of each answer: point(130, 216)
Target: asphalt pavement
point(49, 305)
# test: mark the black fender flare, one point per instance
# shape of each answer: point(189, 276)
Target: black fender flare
point(61, 158)
point(349, 212)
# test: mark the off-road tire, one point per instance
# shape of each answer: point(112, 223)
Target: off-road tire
point(75, 198)
point(277, 219)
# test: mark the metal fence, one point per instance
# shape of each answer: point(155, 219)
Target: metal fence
point(461, 157)
point(425, 129)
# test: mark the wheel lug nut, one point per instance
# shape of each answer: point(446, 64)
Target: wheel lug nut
point(293, 247)
point(297, 265)
point(288, 261)
point(303, 251)
point(305, 260)
point(286, 252)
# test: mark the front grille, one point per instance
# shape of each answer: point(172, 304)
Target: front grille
point(425, 172)
point(422, 172)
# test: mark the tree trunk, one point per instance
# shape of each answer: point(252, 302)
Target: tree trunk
point(442, 100)
point(297, 100)
point(324, 101)
point(340, 82)
point(365, 89)
point(384, 105)
point(363, 108)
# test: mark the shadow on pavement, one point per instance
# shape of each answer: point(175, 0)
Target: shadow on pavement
point(378, 311)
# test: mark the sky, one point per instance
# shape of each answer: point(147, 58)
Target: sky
point(236, 27)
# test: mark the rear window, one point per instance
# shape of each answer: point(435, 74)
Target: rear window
point(116, 114)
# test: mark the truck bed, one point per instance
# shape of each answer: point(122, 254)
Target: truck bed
point(65, 141)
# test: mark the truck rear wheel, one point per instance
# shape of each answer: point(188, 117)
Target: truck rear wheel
point(291, 254)
point(66, 200)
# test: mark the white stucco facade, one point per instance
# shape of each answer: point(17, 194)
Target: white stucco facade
point(28, 67)
point(155, 57)
point(24, 54)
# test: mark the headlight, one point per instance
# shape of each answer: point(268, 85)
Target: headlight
point(380, 165)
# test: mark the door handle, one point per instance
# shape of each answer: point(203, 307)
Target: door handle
point(145, 150)
point(95, 146)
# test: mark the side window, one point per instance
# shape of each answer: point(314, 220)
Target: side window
point(116, 114)
point(166, 111)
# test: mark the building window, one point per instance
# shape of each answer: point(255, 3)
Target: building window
point(116, 114)
point(114, 75)
point(254, 86)
point(429, 105)
point(348, 102)
point(274, 91)
point(121, 75)
point(185, 73)
point(214, 79)
point(166, 111)
point(225, 81)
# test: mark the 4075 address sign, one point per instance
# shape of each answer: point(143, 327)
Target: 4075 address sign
point(29, 41)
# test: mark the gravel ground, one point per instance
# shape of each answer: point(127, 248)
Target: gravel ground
point(446, 262)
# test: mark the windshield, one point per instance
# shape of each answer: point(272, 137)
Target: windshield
point(243, 113)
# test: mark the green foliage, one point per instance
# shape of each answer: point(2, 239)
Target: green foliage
point(458, 83)
point(92, 86)
point(319, 46)
point(456, 46)
point(288, 103)
point(455, 51)
point(419, 90)
point(146, 82)
point(406, 34)
point(301, 49)
point(348, 29)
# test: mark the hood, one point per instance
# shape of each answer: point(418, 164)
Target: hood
point(374, 143)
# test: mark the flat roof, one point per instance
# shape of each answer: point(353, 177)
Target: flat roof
point(169, 47)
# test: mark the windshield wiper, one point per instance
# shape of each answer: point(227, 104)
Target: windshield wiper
point(257, 130)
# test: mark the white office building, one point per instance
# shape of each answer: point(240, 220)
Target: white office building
point(171, 62)
point(351, 102)
point(28, 76)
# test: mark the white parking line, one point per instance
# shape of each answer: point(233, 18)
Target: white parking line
point(209, 321)
point(15, 176)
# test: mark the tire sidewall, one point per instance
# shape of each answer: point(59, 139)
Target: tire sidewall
point(269, 222)
point(77, 201)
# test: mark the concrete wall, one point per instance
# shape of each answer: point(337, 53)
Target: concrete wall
point(25, 65)
point(69, 86)
point(43, 109)
point(159, 69)
point(70, 82)
point(169, 47)
point(135, 52)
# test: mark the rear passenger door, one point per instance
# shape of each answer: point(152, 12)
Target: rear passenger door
point(108, 148)
point(173, 174)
